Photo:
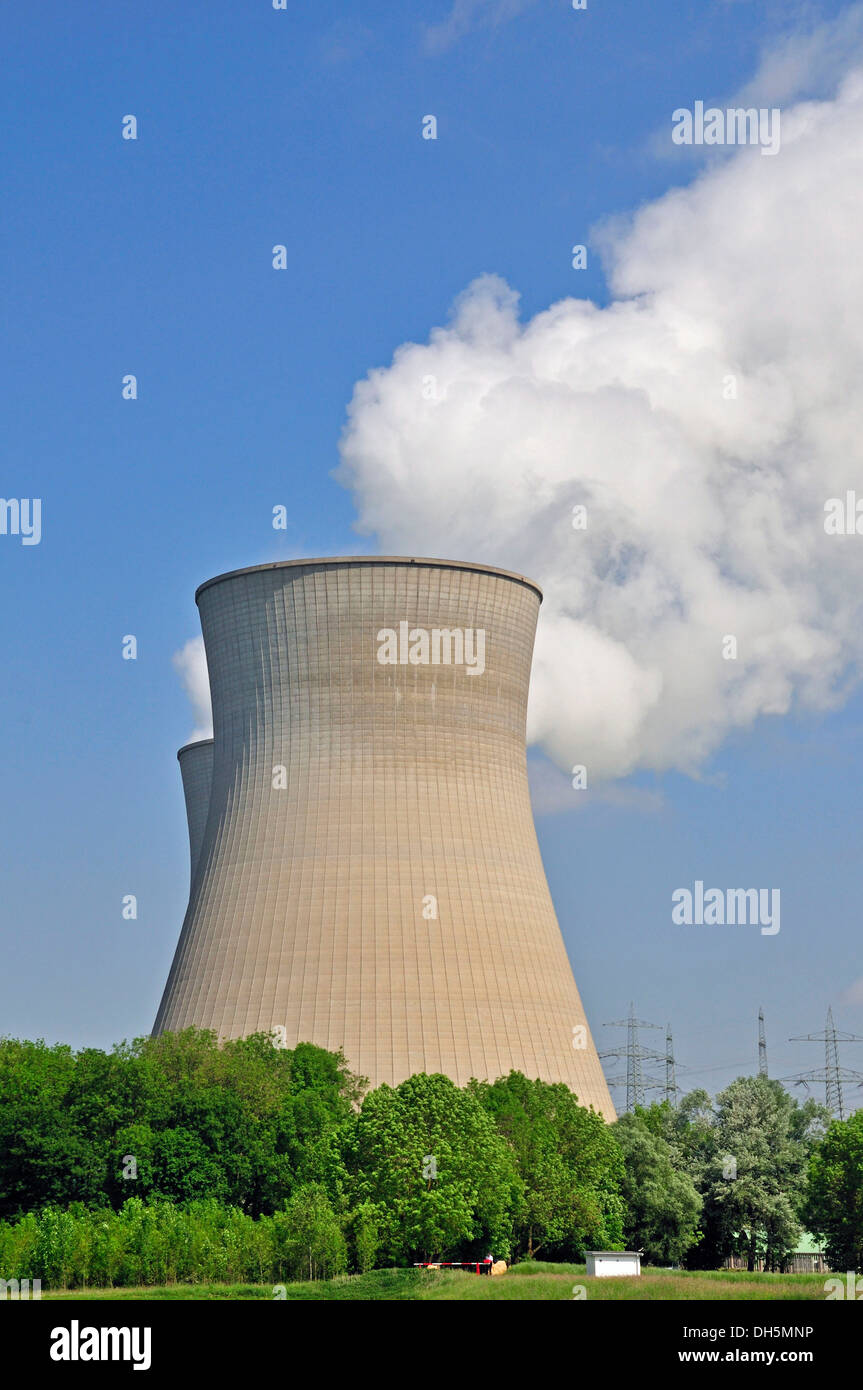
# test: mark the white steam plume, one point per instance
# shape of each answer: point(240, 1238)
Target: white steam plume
point(191, 662)
point(705, 514)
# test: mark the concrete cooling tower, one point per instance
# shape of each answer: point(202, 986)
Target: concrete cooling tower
point(196, 770)
point(369, 876)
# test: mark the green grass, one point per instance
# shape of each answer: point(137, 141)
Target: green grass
point(386, 1284)
point(529, 1282)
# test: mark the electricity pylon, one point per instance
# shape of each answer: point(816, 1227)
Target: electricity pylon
point(831, 1073)
point(637, 1084)
point(672, 1092)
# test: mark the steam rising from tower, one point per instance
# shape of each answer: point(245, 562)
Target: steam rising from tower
point(369, 876)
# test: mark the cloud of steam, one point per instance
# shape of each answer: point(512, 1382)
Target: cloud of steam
point(191, 663)
point(800, 64)
point(705, 514)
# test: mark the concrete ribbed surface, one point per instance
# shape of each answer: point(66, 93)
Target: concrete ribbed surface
point(196, 770)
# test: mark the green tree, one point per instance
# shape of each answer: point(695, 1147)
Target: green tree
point(758, 1132)
point(365, 1225)
point(569, 1162)
point(662, 1204)
point(242, 1122)
point(429, 1159)
point(833, 1202)
point(755, 1182)
point(689, 1129)
point(311, 1239)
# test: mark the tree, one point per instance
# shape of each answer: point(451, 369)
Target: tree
point(242, 1122)
point(429, 1159)
point(568, 1160)
point(43, 1155)
point(310, 1236)
point(663, 1206)
point(754, 1183)
point(688, 1129)
point(746, 1155)
point(365, 1223)
point(833, 1204)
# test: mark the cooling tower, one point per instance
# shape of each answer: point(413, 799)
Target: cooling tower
point(196, 770)
point(369, 877)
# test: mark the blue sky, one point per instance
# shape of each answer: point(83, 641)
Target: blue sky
point(153, 257)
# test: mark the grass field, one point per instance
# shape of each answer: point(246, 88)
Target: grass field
point(532, 1282)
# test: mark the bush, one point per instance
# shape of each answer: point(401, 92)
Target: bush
point(160, 1243)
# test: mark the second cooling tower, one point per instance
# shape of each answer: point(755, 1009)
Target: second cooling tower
point(196, 770)
point(369, 876)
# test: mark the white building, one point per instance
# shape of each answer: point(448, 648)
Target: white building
point(607, 1263)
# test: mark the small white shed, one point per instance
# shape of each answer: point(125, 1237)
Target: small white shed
point(605, 1263)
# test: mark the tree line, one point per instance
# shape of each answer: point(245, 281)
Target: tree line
point(176, 1158)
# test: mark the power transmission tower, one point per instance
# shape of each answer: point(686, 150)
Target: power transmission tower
point(637, 1084)
point(671, 1088)
point(831, 1074)
point(762, 1045)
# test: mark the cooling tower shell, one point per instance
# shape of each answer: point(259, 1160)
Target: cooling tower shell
point(196, 770)
point(384, 894)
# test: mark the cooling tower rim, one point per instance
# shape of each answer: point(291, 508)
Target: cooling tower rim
point(332, 560)
point(196, 743)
